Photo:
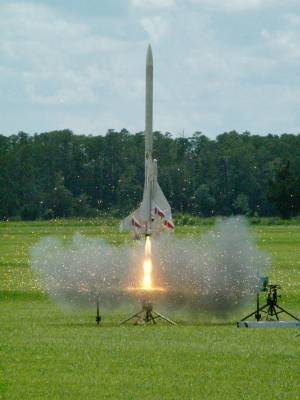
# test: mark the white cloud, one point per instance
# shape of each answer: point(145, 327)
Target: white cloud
point(153, 4)
point(60, 60)
point(236, 5)
point(155, 26)
point(292, 20)
point(285, 42)
point(88, 74)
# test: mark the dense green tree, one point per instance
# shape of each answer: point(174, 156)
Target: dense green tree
point(60, 174)
point(241, 204)
point(203, 202)
point(60, 199)
point(284, 191)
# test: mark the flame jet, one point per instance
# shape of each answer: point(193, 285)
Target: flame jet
point(154, 213)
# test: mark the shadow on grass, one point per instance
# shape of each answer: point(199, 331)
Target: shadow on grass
point(203, 324)
point(116, 324)
point(83, 325)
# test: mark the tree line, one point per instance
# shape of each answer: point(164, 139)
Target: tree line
point(60, 174)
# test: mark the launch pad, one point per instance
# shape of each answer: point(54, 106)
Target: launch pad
point(147, 315)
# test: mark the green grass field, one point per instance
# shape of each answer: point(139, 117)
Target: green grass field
point(48, 354)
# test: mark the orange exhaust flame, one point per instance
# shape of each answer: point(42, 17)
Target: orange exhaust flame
point(147, 285)
point(147, 280)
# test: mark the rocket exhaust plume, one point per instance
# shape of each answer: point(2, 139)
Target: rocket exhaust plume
point(147, 280)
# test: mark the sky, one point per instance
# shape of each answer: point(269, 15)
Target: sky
point(219, 65)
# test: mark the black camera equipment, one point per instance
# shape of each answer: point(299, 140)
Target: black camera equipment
point(271, 308)
point(98, 316)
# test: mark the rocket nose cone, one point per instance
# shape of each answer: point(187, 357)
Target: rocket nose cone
point(149, 60)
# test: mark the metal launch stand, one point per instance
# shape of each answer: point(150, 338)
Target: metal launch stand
point(147, 316)
point(271, 308)
point(98, 316)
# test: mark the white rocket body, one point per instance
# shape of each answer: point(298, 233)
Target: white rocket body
point(154, 213)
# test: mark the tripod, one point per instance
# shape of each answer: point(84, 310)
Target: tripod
point(98, 316)
point(271, 308)
point(147, 316)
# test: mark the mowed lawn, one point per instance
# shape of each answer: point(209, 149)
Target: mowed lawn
point(48, 354)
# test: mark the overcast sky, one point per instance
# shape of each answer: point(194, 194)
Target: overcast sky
point(218, 65)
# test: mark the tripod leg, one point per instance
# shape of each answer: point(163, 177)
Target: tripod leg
point(269, 312)
point(275, 312)
point(164, 318)
point(137, 315)
point(98, 316)
point(249, 315)
point(151, 318)
point(288, 313)
point(254, 312)
point(257, 314)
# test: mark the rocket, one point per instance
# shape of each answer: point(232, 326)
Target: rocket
point(154, 213)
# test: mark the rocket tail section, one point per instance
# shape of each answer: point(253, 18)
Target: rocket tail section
point(132, 223)
point(154, 214)
point(162, 209)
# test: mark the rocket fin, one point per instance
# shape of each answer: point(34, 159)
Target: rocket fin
point(161, 215)
point(162, 209)
point(132, 223)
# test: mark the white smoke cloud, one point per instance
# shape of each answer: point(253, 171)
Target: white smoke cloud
point(216, 274)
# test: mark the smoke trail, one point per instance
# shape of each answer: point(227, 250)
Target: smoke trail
point(216, 273)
